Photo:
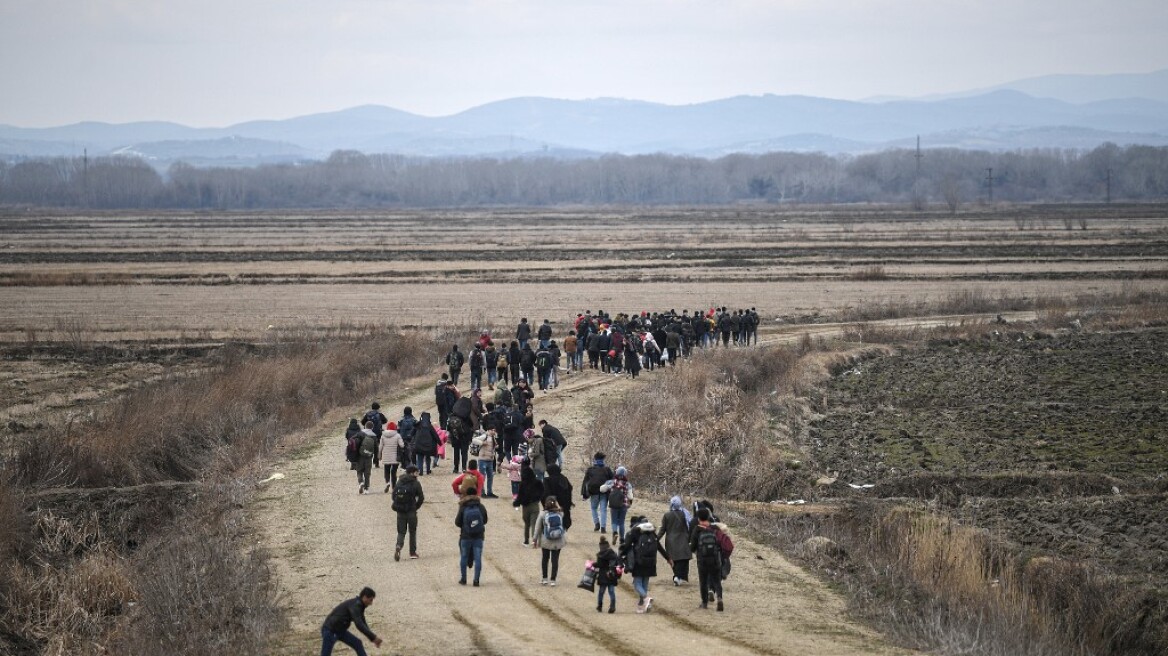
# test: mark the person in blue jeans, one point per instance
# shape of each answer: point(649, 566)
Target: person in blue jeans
point(472, 520)
point(336, 626)
point(620, 497)
point(596, 476)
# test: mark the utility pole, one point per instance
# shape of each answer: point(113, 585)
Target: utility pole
point(1109, 186)
point(918, 156)
point(990, 183)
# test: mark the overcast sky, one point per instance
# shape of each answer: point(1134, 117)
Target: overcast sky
point(216, 62)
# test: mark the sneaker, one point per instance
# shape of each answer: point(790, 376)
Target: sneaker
point(703, 606)
point(711, 597)
point(397, 554)
point(596, 527)
point(719, 605)
point(676, 581)
point(476, 583)
point(414, 556)
point(462, 581)
point(614, 540)
point(543, 582)
point(641, 606)
point(360, 490)
point(552, 583)
point(648, 604)
point(599, 607)
point(387, 488)
point(612, 609)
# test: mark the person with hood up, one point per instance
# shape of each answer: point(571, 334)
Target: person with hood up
point(606, 563)
point(620, 497)
point(425, 444)
point(675, 527)
point(527, 364)
point(594, 477)
point(529, 498)
point(514, 467)
point(551, 537)
point(478, 362)
point(555, 484)
point(639, 551)
point(514, 356)
point(391, 453)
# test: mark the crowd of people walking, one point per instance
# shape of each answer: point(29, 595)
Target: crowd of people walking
point(481, 436)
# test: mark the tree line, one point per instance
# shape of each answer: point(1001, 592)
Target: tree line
point(950, 177)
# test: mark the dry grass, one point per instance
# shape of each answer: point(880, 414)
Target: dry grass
point(951, 589)
point(193, 584)
point(706, 426)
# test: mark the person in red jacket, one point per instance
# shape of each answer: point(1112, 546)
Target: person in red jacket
point(462, 485)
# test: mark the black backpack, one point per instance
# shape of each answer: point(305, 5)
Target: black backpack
point(454, 427)
point(476, 359)
point(514, 419)
point(551, 453)
point(403, 497)
point(543, 360)
point(646, 547)
point(708, 548)
point(353, 448)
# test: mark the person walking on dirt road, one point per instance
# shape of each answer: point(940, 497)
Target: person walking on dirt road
point(550, 536)
point(639, 551)
point(620, 497)
point(425, 444)
point(472, 522)
point(675, 529)
point(367, 453)
point(454, 361)
point(392, 453)
point(336, 625)
point(531, 494)
point(597, 475)
point(706, 544)
point(555, 484)
point(407, 499)
point(606, 578)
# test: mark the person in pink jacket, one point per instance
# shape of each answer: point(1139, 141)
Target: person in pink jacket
point(514, 469)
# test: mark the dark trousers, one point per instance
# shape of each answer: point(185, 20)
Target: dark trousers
point(454, 373)
point(391, 473)
point(681, 569)
point(593, 358)
point(328, 638)
point(710, 578)
point(554, 556)
point(364, 467)
point(461, 450)
point(408, 521)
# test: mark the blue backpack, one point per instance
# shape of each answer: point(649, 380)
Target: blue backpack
point(472, 522)
point(553, 526)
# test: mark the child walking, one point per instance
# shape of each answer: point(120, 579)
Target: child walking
point(606, 563)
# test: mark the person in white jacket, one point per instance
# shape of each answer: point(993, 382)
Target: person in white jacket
point(551, 536)
point(390, 453)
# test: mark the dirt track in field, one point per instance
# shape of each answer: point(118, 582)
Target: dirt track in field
point(328, 542)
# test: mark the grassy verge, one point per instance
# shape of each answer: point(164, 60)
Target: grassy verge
point(125, 534)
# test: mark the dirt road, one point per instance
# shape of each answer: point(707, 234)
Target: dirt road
point(328, 542)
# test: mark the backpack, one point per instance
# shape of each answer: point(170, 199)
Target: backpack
point(353, 448)
point(401, 453)
point(514, 419)
point(708, 548)
point(544, 360)
point(476, 445)
point(472, 521)
point(375, 417)
point(406, 427)
point(618, 496)
point(646, 547)
point(725, 544)
point(596, 477)
point(553, 526)
point(454, 426)
point(403, 497)
point(476, 359)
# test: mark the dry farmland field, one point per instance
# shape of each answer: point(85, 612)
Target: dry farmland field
point(972, 407)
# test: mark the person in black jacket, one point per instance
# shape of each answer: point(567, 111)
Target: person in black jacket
point(407, 499)
point(454, 361)
point(523, 332)
point(552, 433)
point(597, 475)
point(425, 444)
point(336, 625)
point(555, 484)
point(606, 563)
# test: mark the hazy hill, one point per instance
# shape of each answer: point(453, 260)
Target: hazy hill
point(1052, 111)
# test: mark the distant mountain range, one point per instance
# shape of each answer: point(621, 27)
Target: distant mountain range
point(1063, 111)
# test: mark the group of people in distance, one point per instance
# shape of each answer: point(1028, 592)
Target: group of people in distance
point(482, 437)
